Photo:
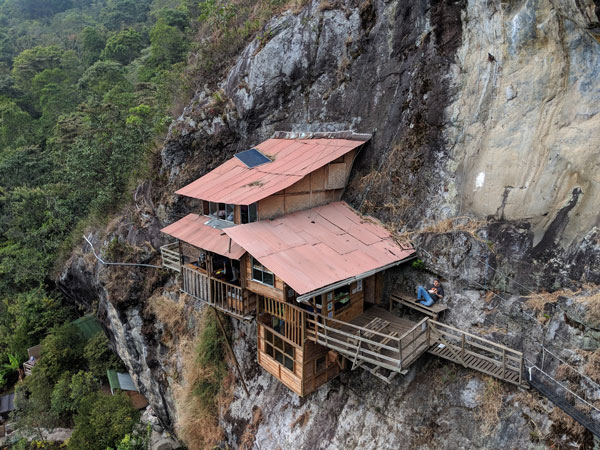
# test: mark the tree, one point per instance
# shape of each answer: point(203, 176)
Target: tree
point(15, 124)
point(29, 63)
point(168, 43)
point(99, 356)
point(124, 46)
point(103, 421)
point(71, 392)
point(123, 13)
point(63, 352)
point(93, 42)
point(101, 77)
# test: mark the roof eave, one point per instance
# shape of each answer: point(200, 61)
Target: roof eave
point(345, 282)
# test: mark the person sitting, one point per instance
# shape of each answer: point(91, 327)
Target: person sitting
point(430, 295)
point(31, 360)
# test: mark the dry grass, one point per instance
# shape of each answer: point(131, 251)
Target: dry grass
point(463, 224)
point(205, 388)
point(491, 404)
point(592, 367)
point(537, 301)
point(592, 304)
point(247, 440)
point(566, 423)
point(170, 313)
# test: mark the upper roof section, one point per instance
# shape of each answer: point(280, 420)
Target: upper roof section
point(194, 230)
point(291, 156)
point(321, 246)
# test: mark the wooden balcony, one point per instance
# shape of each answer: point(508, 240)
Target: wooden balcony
point(171, 259)
point(224, 296)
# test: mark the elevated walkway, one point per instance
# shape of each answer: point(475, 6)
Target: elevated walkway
point(386, 345)
point(476, 353)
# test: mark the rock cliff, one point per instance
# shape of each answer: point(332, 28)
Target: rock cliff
point(477, 108)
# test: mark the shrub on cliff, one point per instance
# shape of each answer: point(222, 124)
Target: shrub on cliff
point(103, 421)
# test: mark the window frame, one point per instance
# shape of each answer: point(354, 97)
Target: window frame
point(250, 210)
point(279, 350)
point(257, 266)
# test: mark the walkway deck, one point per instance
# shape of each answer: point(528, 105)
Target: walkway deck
point(377, 340)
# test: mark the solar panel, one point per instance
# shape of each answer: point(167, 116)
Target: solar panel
point(252, 158)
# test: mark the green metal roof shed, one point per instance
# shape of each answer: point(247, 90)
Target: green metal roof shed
point(88, 326)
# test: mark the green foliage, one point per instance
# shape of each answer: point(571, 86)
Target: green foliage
point(168, 43)
point(418, 264)
point(25, 319)
point(210, 355)
point(103, 421)
point(6, 369)
point(63, 352)
point(99, 356)
point(124, 46)
point(93, 42)
point(33, 61)
point(15, 124)
point(72, 392)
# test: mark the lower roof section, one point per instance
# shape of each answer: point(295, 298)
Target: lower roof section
point(321, 246)
point(193, 230)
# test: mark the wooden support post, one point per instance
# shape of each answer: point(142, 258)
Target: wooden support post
point(520, 370)
point(237, 366)
point(463, 350)
point(428, 334)
point(503, 362)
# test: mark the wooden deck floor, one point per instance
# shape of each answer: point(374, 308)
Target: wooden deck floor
point(385, 353)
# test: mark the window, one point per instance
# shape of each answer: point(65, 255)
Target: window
point(341, 297)
point(279, 350)
point(262, 274)
point(249, 213)
point(223, 211)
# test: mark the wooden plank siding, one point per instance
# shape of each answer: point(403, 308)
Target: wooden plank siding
point(293, 380)
point(259, 288)
point(320, 187)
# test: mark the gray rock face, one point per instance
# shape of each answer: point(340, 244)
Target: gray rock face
point(477, 108)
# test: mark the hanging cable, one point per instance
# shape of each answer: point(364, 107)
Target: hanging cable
point(117, 263)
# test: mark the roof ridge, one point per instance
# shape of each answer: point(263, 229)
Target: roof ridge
point(346, 134)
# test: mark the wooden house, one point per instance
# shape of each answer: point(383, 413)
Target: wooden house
point(282, 175)
point(272, 240)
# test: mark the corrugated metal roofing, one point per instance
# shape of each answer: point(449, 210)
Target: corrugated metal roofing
point(7, 403)
point(122, 381)
point(192, 229)
point(88, 326)
point(312, 249)
point(233, 182)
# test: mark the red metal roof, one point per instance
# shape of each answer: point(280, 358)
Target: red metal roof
point(315, 248)
point(191, 229)
point(292, 159)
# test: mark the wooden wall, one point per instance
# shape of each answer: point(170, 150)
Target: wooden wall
point(352, 310)
point(293, 380)
point(324, 185)
point(256, 287)
point(313, 379)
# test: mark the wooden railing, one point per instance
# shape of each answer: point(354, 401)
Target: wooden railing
point(171, 259)
point(224, 296)
point(359, 344)
point(476, 352)
point(292, 319)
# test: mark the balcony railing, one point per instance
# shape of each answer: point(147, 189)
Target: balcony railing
point(224, 296)
point(170, 256)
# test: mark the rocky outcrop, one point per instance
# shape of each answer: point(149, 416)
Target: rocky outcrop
point(477, 108)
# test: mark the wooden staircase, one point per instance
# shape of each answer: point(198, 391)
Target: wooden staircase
point(476, 353)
